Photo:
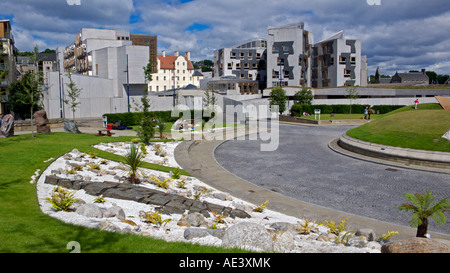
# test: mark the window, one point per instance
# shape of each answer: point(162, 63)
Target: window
point(275, 49)
point(230, 65)
point(233, 55)
point(285, 49)
point(342, 60)
point(353, 60)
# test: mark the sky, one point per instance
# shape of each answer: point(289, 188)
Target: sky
point(396, 35)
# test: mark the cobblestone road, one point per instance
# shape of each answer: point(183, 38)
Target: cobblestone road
point(304, 168)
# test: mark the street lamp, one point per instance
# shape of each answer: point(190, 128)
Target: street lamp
point(128, 87)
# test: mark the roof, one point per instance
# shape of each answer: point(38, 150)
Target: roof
point(337, 35)
point(168, 62)
point(412, 76)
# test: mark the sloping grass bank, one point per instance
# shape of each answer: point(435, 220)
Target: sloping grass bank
point(408, 128)
point(25, 229)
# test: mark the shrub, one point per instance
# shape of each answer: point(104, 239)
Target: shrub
point(61, 199)
point(261, 207)
point(153, 217)
point(134, 160)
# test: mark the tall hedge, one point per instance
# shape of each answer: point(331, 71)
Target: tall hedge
point(133, 118)
point(298, 109)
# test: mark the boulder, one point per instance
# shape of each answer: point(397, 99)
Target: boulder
point(71, 126)
point(248, 235)
point(283, 240)
point(114, 211)
point(416, 245)
point(90, 210)
point(42, 122)
point(368, 233)
point(7, 128)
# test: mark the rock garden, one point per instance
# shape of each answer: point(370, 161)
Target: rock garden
point(83, 189)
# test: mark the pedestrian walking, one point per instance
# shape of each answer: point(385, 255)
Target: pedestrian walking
point(416, 102)
point(366, 112)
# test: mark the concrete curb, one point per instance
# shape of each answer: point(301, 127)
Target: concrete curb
point(419, 158)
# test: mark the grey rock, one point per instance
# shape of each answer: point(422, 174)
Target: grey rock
point(191, 233)
point(109, 226)
point(90, 210)
point(248, 235)
point(114, 211)
point(368, 233)
point(71, 126)
point(7, 127)
point(357, 242)
point(283, 240)
point(195, 219)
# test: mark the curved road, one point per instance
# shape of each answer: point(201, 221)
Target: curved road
point(305, 168)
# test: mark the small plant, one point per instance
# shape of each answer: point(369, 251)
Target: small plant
point(305, 227)
point(143, 148)
point(154, 218)
point(162, 184)
point(93, 154)
point(336, 229)
point(157, 148)
point(99, 199)
point(422, 208)
point(176, 173)
point(344, 238)
point(134, 160)
point(70, 171)
point(93, 166)
point(218, 219)
point(135, 140)
point(386, 237)
point(82, 155)
point(77, 168)
point(104, 162)
point(61, 199)
point(181, 184)
point(261, 207)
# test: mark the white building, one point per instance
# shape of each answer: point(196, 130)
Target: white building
point(338, 62)
point(174, 72)
point(245, 61)
point(289, 51)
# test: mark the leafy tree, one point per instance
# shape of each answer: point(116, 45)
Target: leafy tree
point(147, 128)
point(422, 208)
point(278, 97)
point(303, 96)
point(73, 94)
point(31, 90)
point(352, 94)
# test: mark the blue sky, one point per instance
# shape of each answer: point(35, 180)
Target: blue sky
point(397, 35)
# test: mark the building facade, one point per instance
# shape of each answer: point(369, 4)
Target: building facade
point(79, 56)
point(411, 78)
point(8, 55)
point(338, 62)
point(289, 56)
point(173, 72)
point(245, 61)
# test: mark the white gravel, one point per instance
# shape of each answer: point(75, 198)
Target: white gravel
point(171, 231)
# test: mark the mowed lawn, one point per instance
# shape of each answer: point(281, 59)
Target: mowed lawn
point(25, 229)
point(408, 128)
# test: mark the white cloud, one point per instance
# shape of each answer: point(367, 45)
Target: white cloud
point(396, 35)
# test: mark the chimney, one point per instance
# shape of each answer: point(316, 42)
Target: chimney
point(164, 53)
point(424, 71)
point(175, 54)
point(188, 56)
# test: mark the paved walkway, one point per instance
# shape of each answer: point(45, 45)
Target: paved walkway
point(198, 158)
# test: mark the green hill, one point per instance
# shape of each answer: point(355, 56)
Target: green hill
point(408, 128)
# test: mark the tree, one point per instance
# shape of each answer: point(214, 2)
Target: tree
point(209, 102)
point(422, 208)
point(278, 97)
point(147, 128)
point(352, 94)
point(73, 94)
point(161, 127)
point(303, 96)
point(32, 90)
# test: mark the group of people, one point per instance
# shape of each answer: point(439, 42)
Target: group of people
point(367, 112)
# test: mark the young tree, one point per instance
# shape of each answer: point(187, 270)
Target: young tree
point(352, 94)
point(278, 97)
point(73, 94)
point(209, 102)
point(422, 208)
point(32, 89)
point(303, 96)
point(147, 128)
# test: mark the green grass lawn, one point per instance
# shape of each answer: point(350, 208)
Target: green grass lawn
point(25, 229)
point(340, 116)
point(408, 128)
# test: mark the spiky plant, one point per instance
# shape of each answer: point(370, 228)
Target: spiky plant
point(422, 208)
point(133, 159)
